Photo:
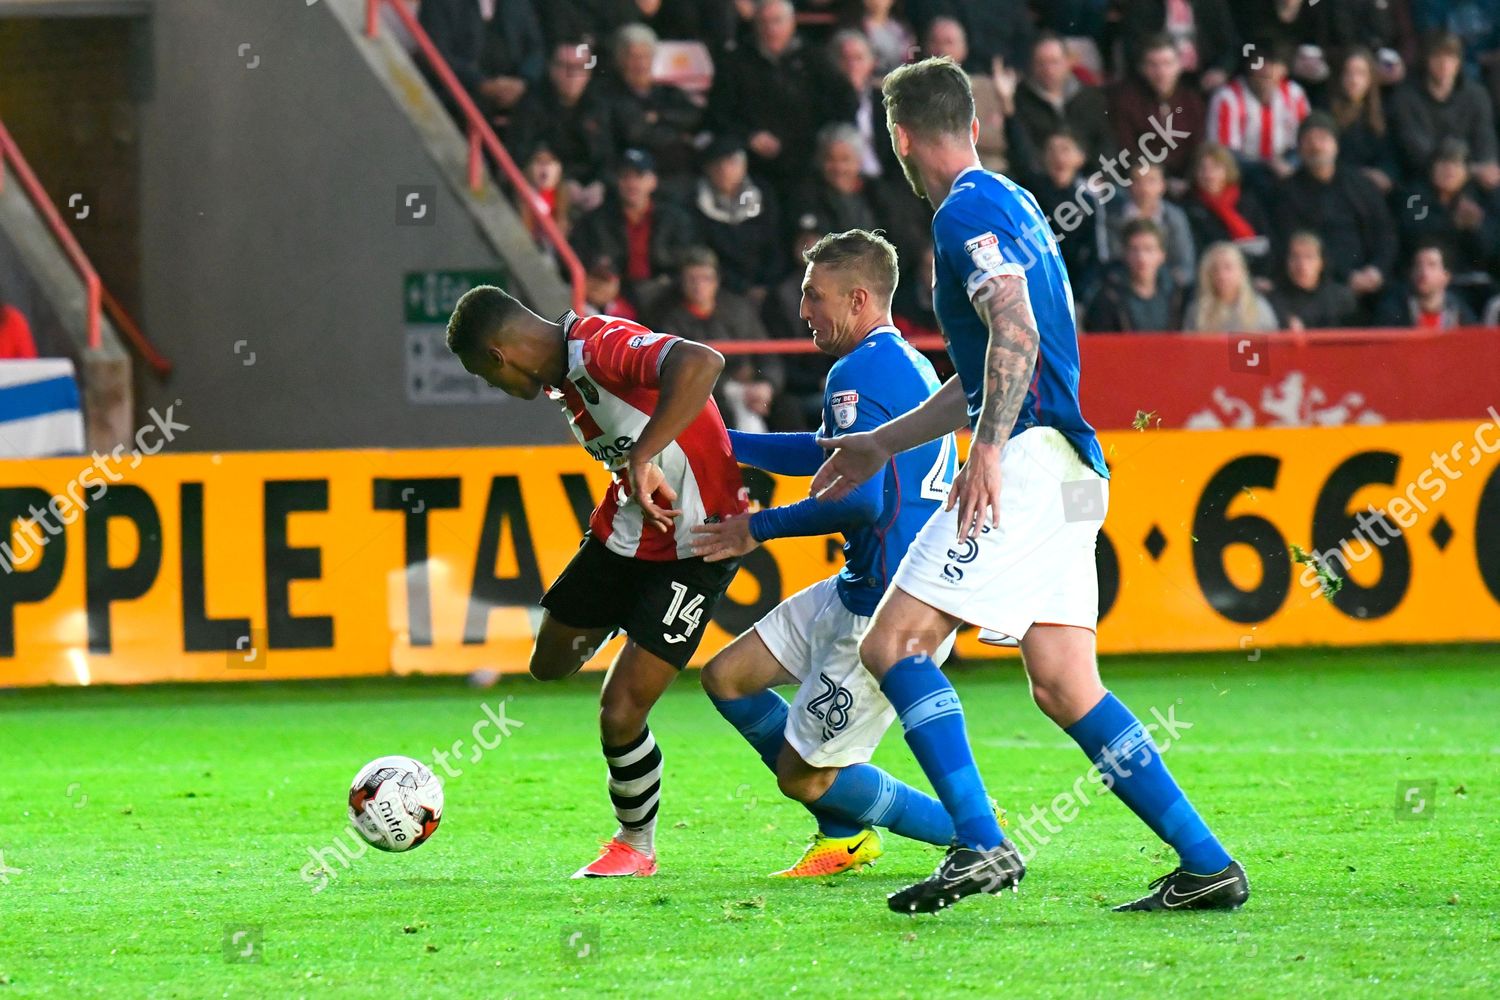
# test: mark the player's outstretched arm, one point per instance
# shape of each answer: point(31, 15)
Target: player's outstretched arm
point(785, 454)
point(687, 378)
point(1005, 305)
point(738, 535)
point(857, 458)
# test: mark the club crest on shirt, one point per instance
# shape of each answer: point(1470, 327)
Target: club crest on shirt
point(984, 251)
point(845, 406)
point(589, 392)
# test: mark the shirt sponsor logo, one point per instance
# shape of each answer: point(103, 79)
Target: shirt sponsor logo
point(589, 392)
point(845, 406)
point(984, 251)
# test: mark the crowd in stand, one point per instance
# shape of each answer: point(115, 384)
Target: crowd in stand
point(1261, 165)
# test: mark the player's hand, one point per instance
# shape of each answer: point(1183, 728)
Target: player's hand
point(976, 491)
point(727, 539)
point(646, 481)
point(855, 459)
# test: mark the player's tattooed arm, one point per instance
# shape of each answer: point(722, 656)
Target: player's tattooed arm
point(1010, 359)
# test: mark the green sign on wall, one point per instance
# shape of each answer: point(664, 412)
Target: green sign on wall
point(433, 375)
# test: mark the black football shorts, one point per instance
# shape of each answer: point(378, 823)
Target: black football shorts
point(663, 606)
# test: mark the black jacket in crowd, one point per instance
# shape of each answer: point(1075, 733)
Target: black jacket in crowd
point(1349, 215)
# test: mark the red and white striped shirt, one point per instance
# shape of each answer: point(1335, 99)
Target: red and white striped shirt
point(1240, 122)
point(609, 394)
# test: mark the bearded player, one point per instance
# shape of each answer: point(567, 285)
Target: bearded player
point(1024, 571)
point(819, 747)
point(640, 402)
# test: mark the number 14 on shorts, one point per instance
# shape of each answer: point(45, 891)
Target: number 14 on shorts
point(687, 611)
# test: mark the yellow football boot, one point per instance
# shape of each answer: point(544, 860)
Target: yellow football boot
point(832, 855)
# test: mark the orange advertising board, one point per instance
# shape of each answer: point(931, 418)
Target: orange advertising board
point(246, 566)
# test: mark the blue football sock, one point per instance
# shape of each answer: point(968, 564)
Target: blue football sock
point(761, 719)
point(934, 723)
point(878, 799)
point(1120, 747)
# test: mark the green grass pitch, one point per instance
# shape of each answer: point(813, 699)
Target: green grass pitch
point(140, 828)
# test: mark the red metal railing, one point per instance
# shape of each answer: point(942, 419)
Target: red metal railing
point(10, 154)
point(97, 294)
point(482, 138)
point(1296, 338)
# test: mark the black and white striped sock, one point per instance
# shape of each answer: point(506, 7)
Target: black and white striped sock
point(635, 789)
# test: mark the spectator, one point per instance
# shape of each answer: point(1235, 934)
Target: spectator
point(863, 105)
point(1492, 312)
point(1342, 206)
point(1219, 210)
point(544, 173)
point(1380, 26)
point(701, 310)
point(781, 314)
point(16, 340)
point(1003, 144)
point(1225, 301)
point(1139, 296)
point(497, 58)
point(1156, 93)
point(656, 117)
point(996, 29)
point(1358, 111)
point(1425, 301)
point(1448, 207)
point(1439, 104)
point(1203, 30)
point(770, 92)
point(842, 198)
point(891, 39)
point(1146, 201)
point(913, 305)
point(1063, 184)
point(738, 221)
point(637, 229)
point(564, 114)
point(601, 291)
point(1304, 297)
point(674, 19)
point(1051, 98)
point(1475, 22)
point(1256, 115)
point(588, 21)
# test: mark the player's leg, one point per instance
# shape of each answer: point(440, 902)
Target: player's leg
point(560, 650)
point(1065, 683)
point(900, 651)
point(780, 649)
point(669, 603)
point(738, 680)
point(634, 683)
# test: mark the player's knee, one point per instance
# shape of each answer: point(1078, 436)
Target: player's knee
point(722, 681)
point(621, 721)
point(545, 667)
point(878, 653)
point(804, 785)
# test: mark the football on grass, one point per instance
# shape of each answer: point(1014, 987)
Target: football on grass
point(395, 803)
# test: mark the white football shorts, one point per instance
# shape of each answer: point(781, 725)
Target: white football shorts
point(1038, 566)
point(839, 715)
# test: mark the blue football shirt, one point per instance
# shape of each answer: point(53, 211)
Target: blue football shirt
point(988, 227)
point(881, 379)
